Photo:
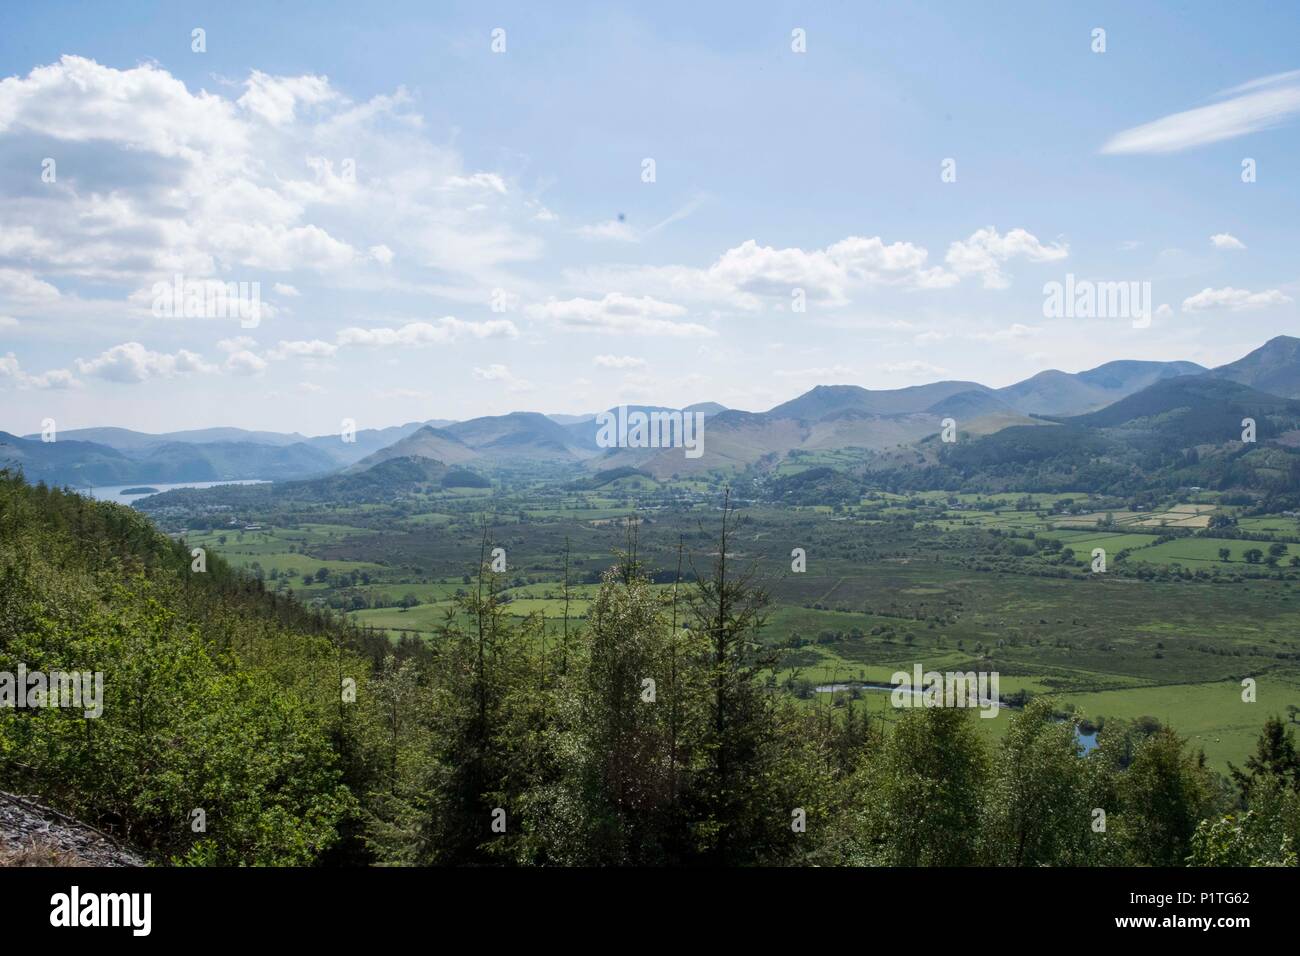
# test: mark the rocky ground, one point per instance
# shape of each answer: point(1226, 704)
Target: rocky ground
point(36, 835)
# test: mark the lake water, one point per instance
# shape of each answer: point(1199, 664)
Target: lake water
point(114, 492)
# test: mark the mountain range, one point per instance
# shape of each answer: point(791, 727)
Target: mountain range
point(826, 418)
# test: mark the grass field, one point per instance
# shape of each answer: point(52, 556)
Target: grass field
point(890, 582)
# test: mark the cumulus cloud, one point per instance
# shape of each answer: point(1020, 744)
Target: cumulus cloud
point(445, 330)
point(132, 363)
point(276, 99)
point(822, 372)
point(617, 313)
point(829, 273)
point(985, 251)
point(914, 369)
point(1012, 332)
point(315, 348)
point(501, 373)
point(1223, 240)
point(489, 181)
point(18, 285)
point(245, 363)
point(170, 180)
point(618, 361)
point(12, 371)
point(1233, 300)
point(750, 276)
point(612, 229)
point(238, 344)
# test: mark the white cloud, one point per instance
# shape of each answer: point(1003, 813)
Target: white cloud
point(611, 229)
point(11, 370)
point(78, 100)
point(825, 372)
point(1233, 300)
point(8, 322)
point(826, 274)
point(1255, 110)
point(1011, 333)
point(20, 286)
point(245, 363)
point(445, 330)
point(238, 344)
point(172, 180)
point(931, 336)
point(617, 313)
point(1223, 240)
point(985, 251)
point(749, 277)
point(488, 181)
point(501, 373)
point(57, 379)
point(131, 363)
point(302, 349)
point(618, 361)
point(283, 288)
point(914, 369)
point(275, 99)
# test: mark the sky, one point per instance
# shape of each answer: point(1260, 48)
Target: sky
point(447, 210)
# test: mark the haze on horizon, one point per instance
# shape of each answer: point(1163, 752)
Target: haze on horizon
point(443, 231)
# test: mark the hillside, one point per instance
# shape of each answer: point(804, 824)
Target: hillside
point(427, 442)
point(80, 463)
point(198, 670)
point(1060, 393)
point(36, 835)
point(387, 481)
point(519, 435)
point(1181, 432)
point(824, 400)
point(1274, 367)
point(826, 418)
point(1196, 409)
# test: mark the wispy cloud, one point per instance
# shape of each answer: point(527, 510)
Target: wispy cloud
point(1259, 104)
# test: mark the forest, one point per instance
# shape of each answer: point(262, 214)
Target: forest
point(241, 727)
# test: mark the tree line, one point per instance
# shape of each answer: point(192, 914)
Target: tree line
point(654, 734)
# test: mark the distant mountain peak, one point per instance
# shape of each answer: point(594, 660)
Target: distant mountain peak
point(1274, 367)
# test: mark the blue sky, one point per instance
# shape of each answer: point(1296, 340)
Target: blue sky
point(515, 178)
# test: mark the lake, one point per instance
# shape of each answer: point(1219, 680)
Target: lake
point(114, 492)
